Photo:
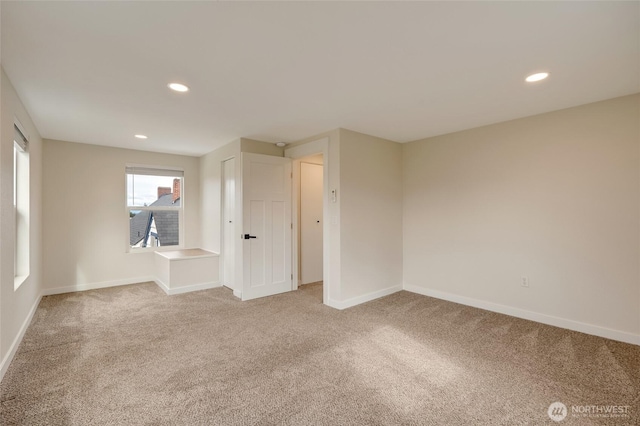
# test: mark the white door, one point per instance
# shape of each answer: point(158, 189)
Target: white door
point(229, 227)
point(311, 223)
point(266, 204)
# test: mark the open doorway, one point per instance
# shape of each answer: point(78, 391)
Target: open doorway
point(311, 224)
point(330, 279)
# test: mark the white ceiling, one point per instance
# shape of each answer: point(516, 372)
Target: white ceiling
point(97, 72)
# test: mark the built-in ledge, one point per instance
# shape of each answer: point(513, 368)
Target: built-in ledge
point(181, 271)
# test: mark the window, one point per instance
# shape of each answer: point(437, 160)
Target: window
point(154, 207)
point(20, 206)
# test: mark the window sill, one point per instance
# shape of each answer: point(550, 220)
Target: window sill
point(18, 280)
point(140, 250)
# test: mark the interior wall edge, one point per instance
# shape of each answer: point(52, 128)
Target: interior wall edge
point(96, 285)
point(368, 297)
point(6, 361)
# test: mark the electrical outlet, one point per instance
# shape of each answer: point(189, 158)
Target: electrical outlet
point(524, 282)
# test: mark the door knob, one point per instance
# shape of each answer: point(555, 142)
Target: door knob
point(247, 236)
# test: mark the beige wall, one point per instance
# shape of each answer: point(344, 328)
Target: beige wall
point(16, 305)
point(553, 197)
point(86, 224)
point(370, 214)
point(258, 147)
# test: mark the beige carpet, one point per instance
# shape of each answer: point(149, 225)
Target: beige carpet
point(132, 355)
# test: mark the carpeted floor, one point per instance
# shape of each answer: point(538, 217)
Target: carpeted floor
point(132, 355)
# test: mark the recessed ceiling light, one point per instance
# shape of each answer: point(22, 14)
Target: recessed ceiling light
point(178, 87)
point(537, 77)
point(140, 136)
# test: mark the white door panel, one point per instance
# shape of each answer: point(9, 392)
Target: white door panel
point(266, 194)
point(257, 246)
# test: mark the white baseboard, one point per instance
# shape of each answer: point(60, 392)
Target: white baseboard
point(16, 342)
point(595, 330)
point(187, 288)
point(362, 299)
point(238, 294)
point(93, 286)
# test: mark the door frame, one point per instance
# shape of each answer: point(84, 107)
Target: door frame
point(297, 153)
point(301, 212)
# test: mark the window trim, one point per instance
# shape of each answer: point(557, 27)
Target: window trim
point(21, 180)
point(147, 169)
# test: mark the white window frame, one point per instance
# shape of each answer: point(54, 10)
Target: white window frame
point(148, 170)
point(21, 206)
